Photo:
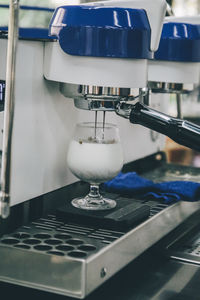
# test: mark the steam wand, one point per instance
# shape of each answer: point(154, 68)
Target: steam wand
point(103, 125)
point(181, 131)
point(104, 120)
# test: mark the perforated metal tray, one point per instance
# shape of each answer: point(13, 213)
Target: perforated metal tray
point(186, 246)
point(73, 260)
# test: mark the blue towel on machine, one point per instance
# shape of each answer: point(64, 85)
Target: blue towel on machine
point(172, 191)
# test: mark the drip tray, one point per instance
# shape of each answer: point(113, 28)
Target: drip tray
point(63, 256)
point(50, 236)
point(73, 260)
point(186, 247)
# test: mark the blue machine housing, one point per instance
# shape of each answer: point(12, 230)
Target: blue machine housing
point(179, 42)
point(102, 31)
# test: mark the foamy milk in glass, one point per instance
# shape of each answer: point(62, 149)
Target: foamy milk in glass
point(95, 156)
point(95, 162)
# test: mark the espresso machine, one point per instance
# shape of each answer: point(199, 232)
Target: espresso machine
point(190, 92)
point(98, 55)
point(174, 76)
point(175, 69)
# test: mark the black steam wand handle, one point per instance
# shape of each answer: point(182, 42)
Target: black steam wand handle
point(181, 131)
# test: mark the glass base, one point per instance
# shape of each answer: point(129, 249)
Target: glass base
point(89, 203)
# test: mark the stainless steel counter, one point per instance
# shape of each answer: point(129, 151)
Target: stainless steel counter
point(152, 275)
point(149, 277)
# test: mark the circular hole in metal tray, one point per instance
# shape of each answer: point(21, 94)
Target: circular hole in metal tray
point(42, 236)
point(87, 247)
point(53, 242)
point(62, 236)
point(22, 246)
point(56, 253)
point(32, 241)
point(42, 247)
point(21, 235)
point(10, 241)
point(65, 248)
point(77, 254)
point(75, 242)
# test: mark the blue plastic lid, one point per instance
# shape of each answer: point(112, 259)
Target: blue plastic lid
point(179, 42)
point(102, 31)
point(31, 33)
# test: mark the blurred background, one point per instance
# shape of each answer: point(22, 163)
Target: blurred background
point(42, 18)
point(190, 103)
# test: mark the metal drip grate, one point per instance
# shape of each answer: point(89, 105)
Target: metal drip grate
point(156, 207)
point(185, 246)
point(51, 236)
point(72, 259)
point(48, 235)
point(189, 247)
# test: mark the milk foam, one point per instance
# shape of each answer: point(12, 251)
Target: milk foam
point(95, 162)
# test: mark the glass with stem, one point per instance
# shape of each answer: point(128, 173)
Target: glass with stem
point(95, 155)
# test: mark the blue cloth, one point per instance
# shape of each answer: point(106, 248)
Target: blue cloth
point(133, 184)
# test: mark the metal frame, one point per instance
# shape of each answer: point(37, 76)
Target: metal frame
point(9, 108)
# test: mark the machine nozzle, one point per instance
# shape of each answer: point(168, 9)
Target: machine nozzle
point(98, 98)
